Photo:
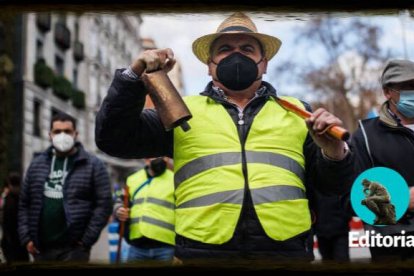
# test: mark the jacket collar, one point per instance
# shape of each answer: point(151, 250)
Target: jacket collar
point(388, 117)
point(80, 155)
point(217, 94)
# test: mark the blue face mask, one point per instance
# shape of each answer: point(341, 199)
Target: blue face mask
point(406, 103)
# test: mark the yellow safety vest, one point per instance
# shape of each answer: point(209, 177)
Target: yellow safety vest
point(209, 179)
point(152, 212)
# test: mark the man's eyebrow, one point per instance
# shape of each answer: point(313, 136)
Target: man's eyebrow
point(61, 129)
point(249, 45)
point(223, 45)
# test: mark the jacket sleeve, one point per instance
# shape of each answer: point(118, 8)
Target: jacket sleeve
point(362, 162)
point(362, 158)
point(103, 204)
point(24, 206)
point(124, 129)
point(327, 176)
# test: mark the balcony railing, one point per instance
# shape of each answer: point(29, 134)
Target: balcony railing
point(62, 36)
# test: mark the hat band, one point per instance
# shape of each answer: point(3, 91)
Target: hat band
point(236, 28)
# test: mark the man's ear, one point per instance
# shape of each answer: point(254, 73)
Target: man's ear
point(265, 65)
point(387, 93)
point(76, 134)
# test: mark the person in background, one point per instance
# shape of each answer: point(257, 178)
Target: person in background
point(150, 216)
point(331, 228)
point(65, 200)
point(13, 251)
point(388, 141)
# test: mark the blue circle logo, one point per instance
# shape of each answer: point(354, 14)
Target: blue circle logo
point(380, 196)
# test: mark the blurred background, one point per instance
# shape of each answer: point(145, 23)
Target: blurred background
point(51, 62)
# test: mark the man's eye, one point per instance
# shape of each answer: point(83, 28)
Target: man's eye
point(248, 49)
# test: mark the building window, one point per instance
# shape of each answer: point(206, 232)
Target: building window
point(55, 111)
point(61, 19)
point(75, 77)
point(77, 29)
point(99, 56)
point(39, 49)
point(59, 65)
point(37, 128)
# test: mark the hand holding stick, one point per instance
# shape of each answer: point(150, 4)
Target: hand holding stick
point(122, 226)
point(336, 132)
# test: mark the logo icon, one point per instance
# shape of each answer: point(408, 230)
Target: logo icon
point(380, 196)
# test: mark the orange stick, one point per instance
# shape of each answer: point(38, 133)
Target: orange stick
point(122, 226)
point(336, 132)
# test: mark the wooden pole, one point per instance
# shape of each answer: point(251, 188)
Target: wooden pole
point(336, 132)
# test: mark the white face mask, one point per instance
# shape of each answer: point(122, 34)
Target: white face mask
point(63, 142)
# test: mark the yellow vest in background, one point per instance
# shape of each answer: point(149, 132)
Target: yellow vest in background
point(152, 212)
point(209, 178)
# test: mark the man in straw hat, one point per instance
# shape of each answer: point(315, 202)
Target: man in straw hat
point(242, 168)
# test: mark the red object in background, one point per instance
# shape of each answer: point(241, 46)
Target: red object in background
point(356, 224)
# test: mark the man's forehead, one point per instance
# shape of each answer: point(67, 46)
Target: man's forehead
point(62, 125)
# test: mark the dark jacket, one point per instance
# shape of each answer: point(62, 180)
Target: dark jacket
point(125, 130)
point(87, 198)
point(331, 219)
point(390, 145)
point(10, 243)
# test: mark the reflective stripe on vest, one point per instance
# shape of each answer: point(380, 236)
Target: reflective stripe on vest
point(262, 195)
point(229, 158)
point(153, 208)
point(209, 180)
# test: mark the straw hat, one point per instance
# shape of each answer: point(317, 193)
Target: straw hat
point(238, 23)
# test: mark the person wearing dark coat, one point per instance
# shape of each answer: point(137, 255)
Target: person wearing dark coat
point(331, 227)
point(66, 199)
point(388, 141)
point(10, 243)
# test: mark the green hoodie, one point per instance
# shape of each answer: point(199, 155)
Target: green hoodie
point(53, 226)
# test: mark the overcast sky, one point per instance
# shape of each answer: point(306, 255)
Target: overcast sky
point(178, 31)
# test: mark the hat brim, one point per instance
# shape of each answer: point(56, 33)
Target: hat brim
point(201, 46)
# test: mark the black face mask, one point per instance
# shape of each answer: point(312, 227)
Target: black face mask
point(158, 166)
point(237, 72)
